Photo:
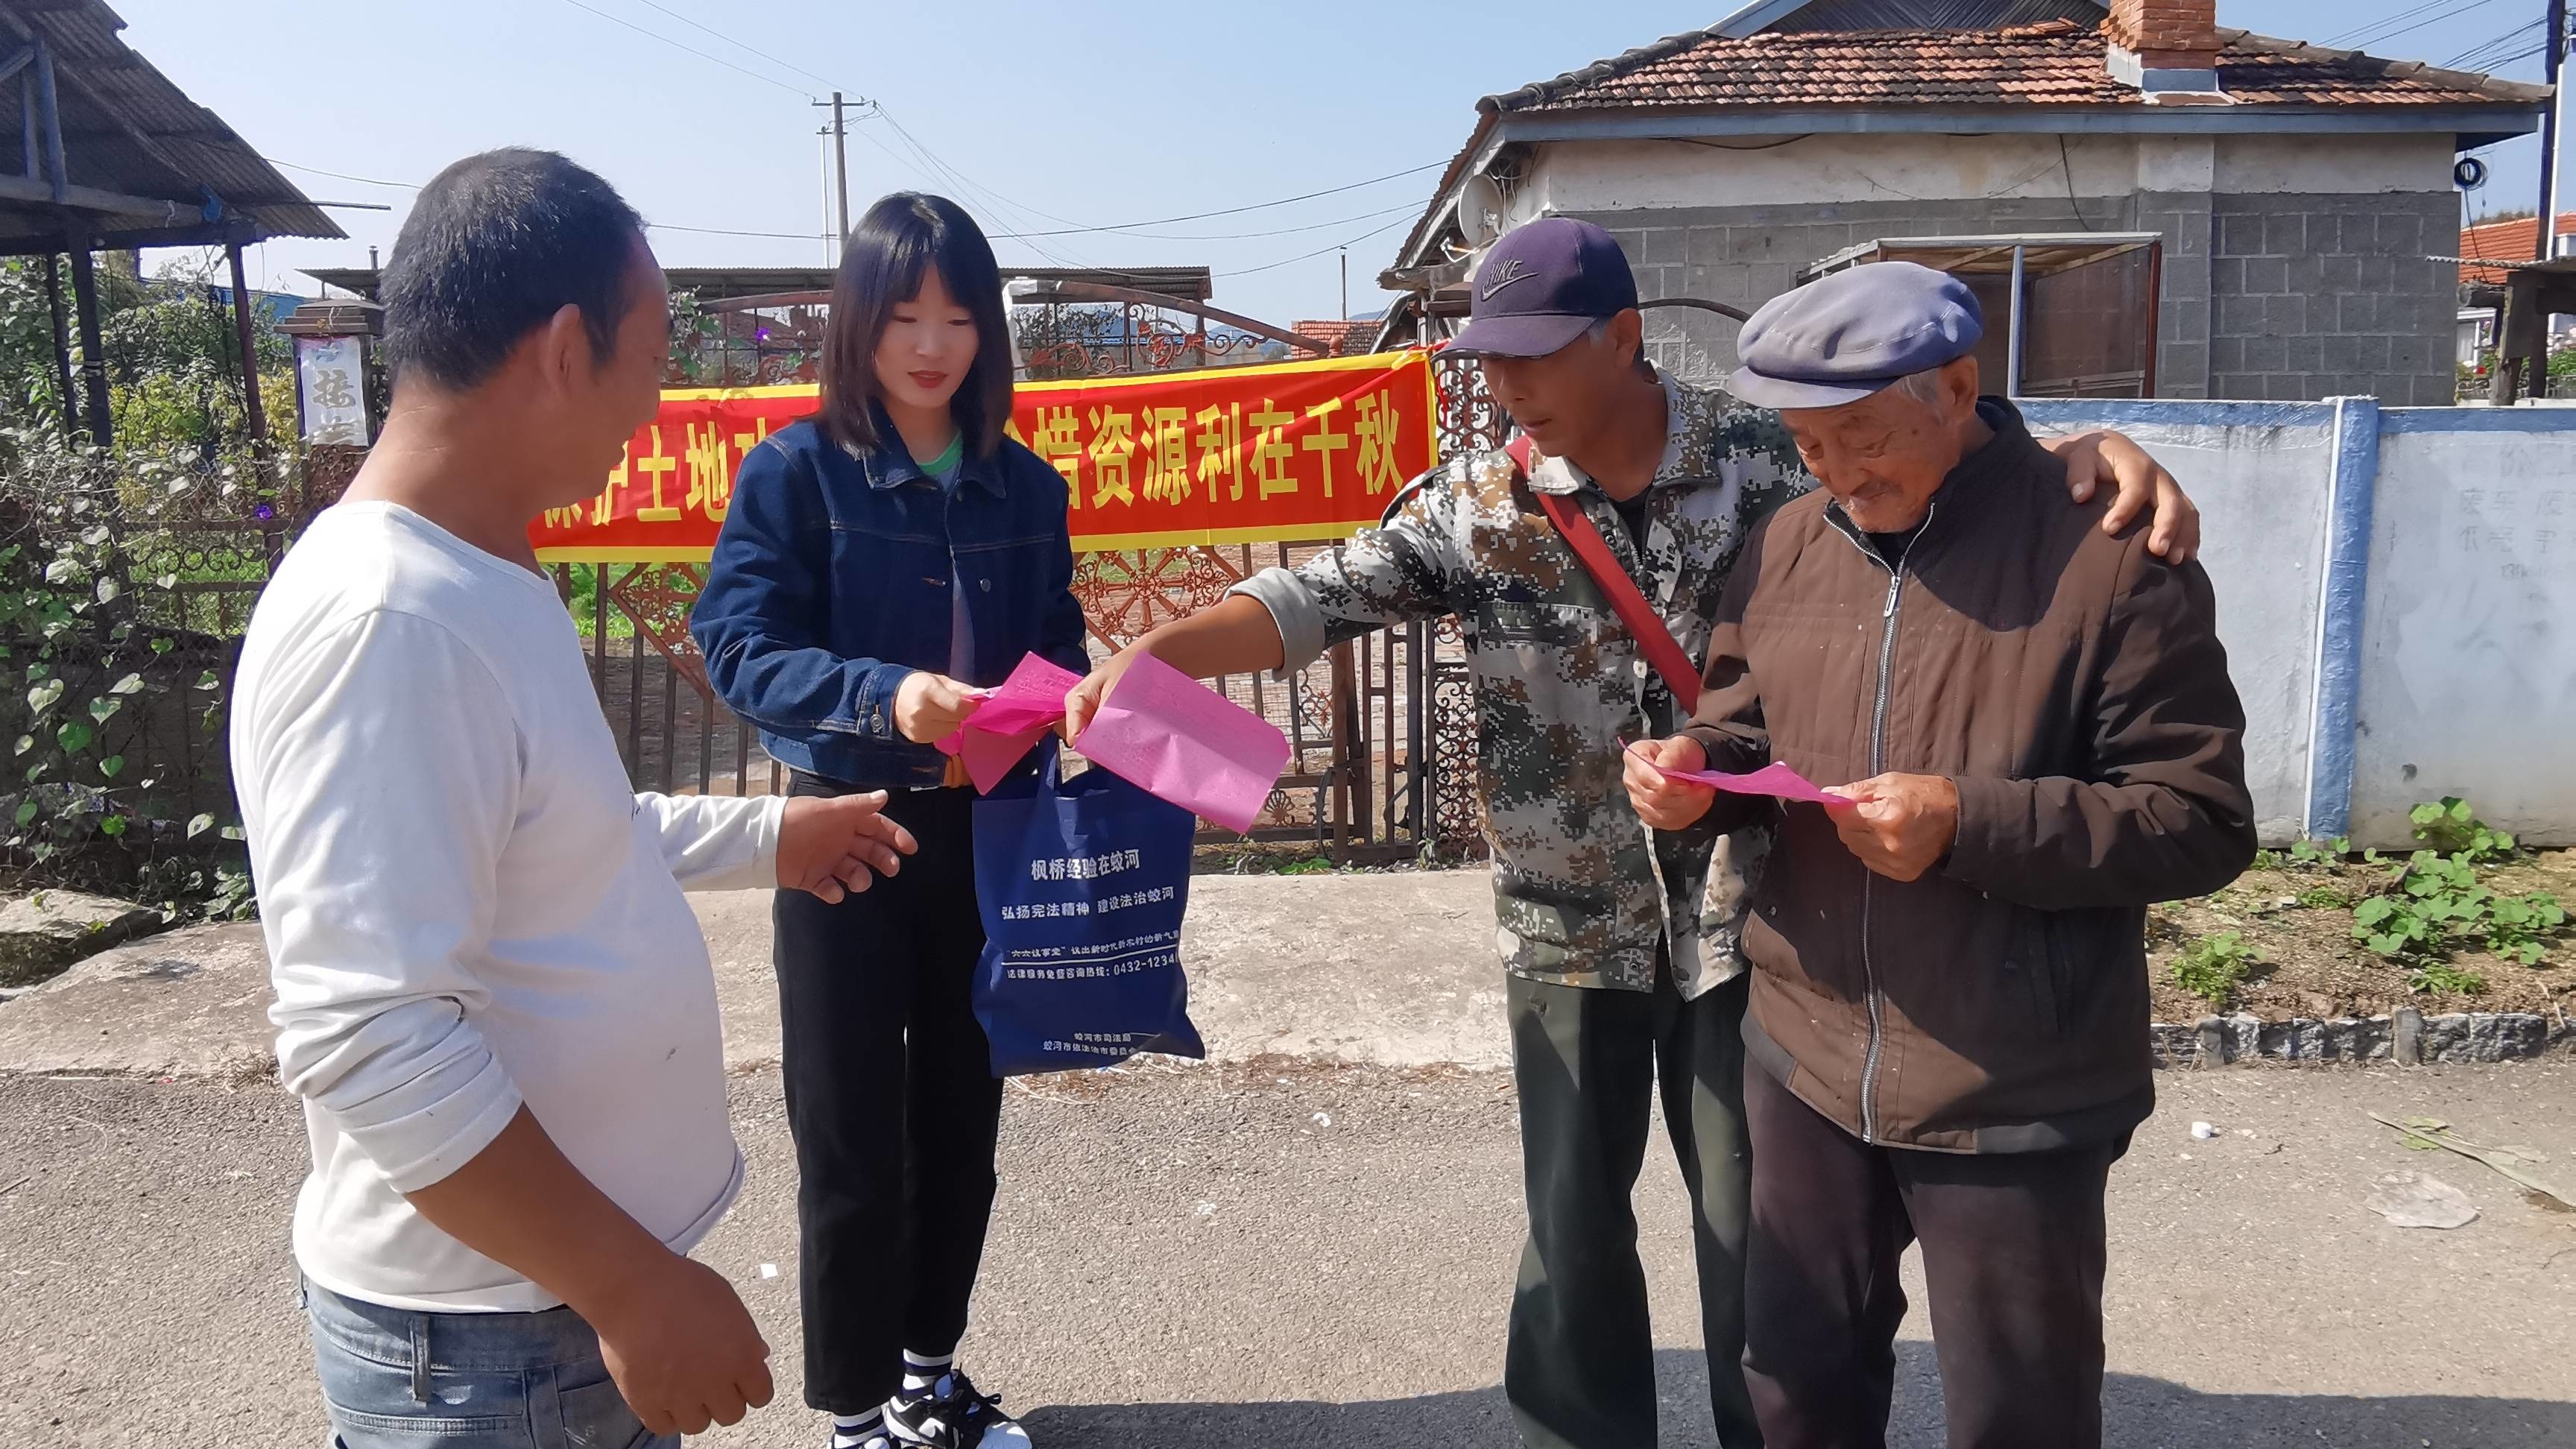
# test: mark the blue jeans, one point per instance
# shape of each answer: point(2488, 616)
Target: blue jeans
point(392, 1376)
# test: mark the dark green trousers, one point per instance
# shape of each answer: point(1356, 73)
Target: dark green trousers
point(1580, 1370)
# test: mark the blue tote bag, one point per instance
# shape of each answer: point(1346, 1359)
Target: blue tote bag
point(1081, 884)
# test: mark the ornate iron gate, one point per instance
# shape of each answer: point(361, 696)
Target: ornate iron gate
point(1381, 731)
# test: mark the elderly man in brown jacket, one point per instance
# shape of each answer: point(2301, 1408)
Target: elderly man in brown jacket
point(1948, 1025)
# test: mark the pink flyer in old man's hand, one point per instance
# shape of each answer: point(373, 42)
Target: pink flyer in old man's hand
point(1774, 779)
point(1184, 742)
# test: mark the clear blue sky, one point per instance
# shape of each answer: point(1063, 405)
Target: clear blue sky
point(1091, 114)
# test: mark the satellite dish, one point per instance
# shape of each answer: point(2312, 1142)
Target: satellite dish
point(1480, 210)
point(2470, 174)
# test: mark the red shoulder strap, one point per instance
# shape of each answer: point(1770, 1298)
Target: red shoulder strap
point(1644, 624)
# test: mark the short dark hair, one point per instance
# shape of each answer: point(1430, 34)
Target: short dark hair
point(882, 263)
point(495, 245)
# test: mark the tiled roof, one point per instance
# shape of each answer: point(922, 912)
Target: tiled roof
point(1343, 337)
point(2511, 240)
point(2053, 64)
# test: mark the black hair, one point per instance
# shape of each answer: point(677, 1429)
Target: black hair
point(495, 245)
point(882, 263)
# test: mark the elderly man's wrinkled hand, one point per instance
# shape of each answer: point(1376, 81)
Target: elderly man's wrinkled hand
point(2093, 457)
point(1663, 802)
point(1899, 825)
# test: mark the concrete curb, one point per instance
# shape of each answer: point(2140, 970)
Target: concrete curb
point(2405, 1036)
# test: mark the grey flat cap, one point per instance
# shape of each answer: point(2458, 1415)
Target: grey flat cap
point(1842, 337)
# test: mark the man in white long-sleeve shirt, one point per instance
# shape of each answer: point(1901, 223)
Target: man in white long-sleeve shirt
point(491, 995)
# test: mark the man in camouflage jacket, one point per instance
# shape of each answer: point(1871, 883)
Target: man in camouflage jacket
point(1620, 940)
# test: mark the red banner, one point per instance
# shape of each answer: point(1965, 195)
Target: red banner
point(1297, 450)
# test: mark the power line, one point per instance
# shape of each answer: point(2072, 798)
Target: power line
point(2492, 42)
point(1266, 205)
point(932, 166)
point(1317, 252)
point(2429, 20)
point(1406, 209)
point(729, 40)
point(691, 49)
point(341, 175)
point(1013, 214)
point(2366, 27)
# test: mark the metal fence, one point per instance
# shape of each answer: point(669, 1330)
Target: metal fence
point(1381, 731)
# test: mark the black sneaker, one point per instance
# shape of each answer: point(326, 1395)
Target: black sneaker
point(950, 1414)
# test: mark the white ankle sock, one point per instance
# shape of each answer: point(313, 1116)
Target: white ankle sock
point(849, 1431)
point(921, 1370)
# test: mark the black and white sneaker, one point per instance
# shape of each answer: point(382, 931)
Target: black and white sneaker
point(948, 1413)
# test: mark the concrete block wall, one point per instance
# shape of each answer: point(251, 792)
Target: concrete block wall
point(2323, 295)
point(2268, 297)
point(2182, 321)
point(1746, 255)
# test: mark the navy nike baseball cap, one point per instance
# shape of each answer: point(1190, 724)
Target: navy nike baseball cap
point(1543, 286)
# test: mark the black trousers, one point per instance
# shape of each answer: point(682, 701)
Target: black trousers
point(1580, 1367)
point(2012, 1255)
point(893, 1103)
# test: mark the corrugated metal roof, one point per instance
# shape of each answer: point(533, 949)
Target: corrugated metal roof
point(127, 129)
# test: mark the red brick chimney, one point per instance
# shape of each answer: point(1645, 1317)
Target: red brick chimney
point(2168, 49)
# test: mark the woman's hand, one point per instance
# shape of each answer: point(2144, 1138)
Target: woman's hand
point(929, 707)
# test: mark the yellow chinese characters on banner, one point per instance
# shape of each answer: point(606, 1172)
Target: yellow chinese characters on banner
point(1299, 450)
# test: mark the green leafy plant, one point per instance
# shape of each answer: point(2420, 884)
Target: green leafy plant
point(2321, 852)
point(2323, 898)
point(2521, 927)
point(2266, 860)
point(2213, 967)
point(109, 679)
point(2451, 828)
point(2435, 905)
point(2442, 978)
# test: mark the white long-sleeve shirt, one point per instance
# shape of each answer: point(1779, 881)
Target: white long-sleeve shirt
point(468, 908)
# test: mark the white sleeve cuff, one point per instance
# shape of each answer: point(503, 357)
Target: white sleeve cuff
point(444, 1107)
point(1293, 609)
point(716, 844)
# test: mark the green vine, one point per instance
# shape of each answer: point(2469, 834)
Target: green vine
point(112, 670)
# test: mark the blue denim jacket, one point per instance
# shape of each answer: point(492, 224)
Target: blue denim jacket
point(829, 586)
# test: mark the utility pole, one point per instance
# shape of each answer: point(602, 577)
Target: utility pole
point(1346, 280)
point(2553, 52)
point(841, 167)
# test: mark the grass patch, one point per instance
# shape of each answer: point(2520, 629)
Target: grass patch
point(2213, 967)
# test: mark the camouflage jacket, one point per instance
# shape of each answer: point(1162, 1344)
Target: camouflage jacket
point(1584, 892)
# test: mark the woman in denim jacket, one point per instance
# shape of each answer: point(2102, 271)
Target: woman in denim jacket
point(882, 562)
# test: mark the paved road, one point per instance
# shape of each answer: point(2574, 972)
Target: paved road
point(1286, 1253)
point(1392, 970)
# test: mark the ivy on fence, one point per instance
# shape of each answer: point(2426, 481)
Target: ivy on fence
point(126, 576)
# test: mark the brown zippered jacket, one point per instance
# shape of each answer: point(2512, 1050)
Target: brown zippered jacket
point(2073, 686)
